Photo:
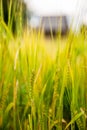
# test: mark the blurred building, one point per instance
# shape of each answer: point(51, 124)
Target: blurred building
point(74, 10)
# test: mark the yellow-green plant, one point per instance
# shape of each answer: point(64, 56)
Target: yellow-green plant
point(42, 85)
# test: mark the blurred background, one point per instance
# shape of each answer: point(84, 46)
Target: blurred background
point(47, 15)
point(73, 13)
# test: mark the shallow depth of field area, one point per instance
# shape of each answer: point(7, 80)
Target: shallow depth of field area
point(43, 81)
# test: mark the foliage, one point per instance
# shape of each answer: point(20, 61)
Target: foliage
point(13, 13)
point(43, 86)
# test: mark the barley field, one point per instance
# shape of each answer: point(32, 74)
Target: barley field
point(43, 82)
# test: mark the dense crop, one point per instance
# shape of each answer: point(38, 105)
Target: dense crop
point(43, 83)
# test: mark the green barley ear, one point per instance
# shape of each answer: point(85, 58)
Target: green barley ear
point(32, 81)
point(31, 84)
point(3, 101)
point(32, 78)
point(55, 93)
point(74, 119)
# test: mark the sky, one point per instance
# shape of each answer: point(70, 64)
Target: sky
point(49, 7)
